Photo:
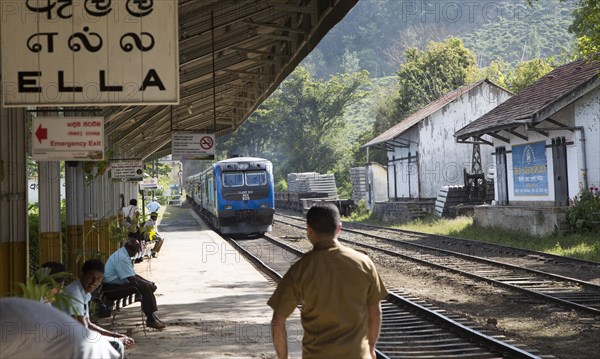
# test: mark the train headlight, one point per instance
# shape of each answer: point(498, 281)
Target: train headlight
point(228, 207)
point(263, 205)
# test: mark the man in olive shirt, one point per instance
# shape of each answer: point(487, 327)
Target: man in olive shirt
point(339, 290)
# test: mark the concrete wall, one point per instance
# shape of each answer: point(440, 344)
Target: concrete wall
point(441, 160)
point(534, 221)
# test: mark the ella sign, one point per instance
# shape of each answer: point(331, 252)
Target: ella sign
point(89, 52)
point(67, 138)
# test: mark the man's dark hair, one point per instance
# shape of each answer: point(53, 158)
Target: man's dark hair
point(54, 268)
point(133, 202)
point(92, 264)
point(132, 244)
point(323, 218)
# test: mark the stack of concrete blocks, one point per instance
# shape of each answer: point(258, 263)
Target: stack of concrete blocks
point(312, 182)
point(453, 201)
point(358, 178)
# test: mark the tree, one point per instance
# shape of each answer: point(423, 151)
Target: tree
point(311, 122)
point(526, 73)
point(516, 79)
point(426, 76)
point(301, 126)
point(586, 26)
point(255, 136)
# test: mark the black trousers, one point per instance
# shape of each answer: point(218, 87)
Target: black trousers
point(118, 291)
point(158, 244)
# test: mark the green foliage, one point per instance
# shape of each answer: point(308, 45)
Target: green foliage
point(527, 73)
point(34, 236)
point(301, 127)
point(584, 215)
point(360, 213)
point(583, 246)
point(43, 286)
point(426, 76)
point(516, 78)
point(281, 185)
point(378, 32)
point(32, 169)
point(515, 32)
point(586, 27)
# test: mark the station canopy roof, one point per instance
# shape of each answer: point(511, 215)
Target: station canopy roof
point(256, 45)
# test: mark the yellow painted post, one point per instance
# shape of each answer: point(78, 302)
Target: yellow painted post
point(90, 242)
point(74, 248)
point(104, 242)
point(50, 247)
point(14, 264)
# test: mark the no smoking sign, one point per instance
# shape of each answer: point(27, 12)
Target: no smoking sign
point(193, 145)
point(207, 142)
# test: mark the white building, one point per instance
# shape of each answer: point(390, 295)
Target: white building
point(546, 141)
point(422, 152)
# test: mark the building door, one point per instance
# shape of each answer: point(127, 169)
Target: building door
point(501, 176)
point(559, 165)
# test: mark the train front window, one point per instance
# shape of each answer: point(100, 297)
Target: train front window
point(233, 179)
point(257, 178)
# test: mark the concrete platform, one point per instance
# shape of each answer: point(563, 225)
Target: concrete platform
point(212, 299)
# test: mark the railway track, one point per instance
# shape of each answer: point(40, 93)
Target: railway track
point(567, 292)
point(586, 269)
point(410, 328)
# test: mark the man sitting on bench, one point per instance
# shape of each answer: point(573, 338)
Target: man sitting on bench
point(120, 281)
point(80, 293)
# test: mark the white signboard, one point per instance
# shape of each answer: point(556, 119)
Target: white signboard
point(193, 146)
point(127, 170)
point(92, 52)
point(149, 183)
point(67, 138)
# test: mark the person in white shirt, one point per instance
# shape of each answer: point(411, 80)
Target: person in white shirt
point(79, 292)
point(132, 213)
point(33, 330)
point(153, 206)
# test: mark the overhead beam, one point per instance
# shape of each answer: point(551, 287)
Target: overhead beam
point(517, 134)
point(501, 138)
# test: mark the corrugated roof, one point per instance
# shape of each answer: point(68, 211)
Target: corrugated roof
point(423, 113)
point(534, 99)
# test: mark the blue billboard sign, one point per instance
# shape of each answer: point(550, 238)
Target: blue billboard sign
point(530, 169)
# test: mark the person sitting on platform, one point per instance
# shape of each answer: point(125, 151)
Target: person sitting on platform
point(121, 280)
point(80, 293)
point(150, 234)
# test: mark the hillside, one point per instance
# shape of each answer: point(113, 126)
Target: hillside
point(376, 32)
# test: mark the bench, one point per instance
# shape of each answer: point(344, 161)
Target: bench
point(108, 308)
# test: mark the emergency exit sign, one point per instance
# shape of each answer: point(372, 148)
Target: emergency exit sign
point(67, 138)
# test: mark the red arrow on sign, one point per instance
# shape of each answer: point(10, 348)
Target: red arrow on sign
point(41, 133)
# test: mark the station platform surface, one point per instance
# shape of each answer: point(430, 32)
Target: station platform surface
point(211, 298)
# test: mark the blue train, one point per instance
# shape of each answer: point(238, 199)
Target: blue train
point(235, 196)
